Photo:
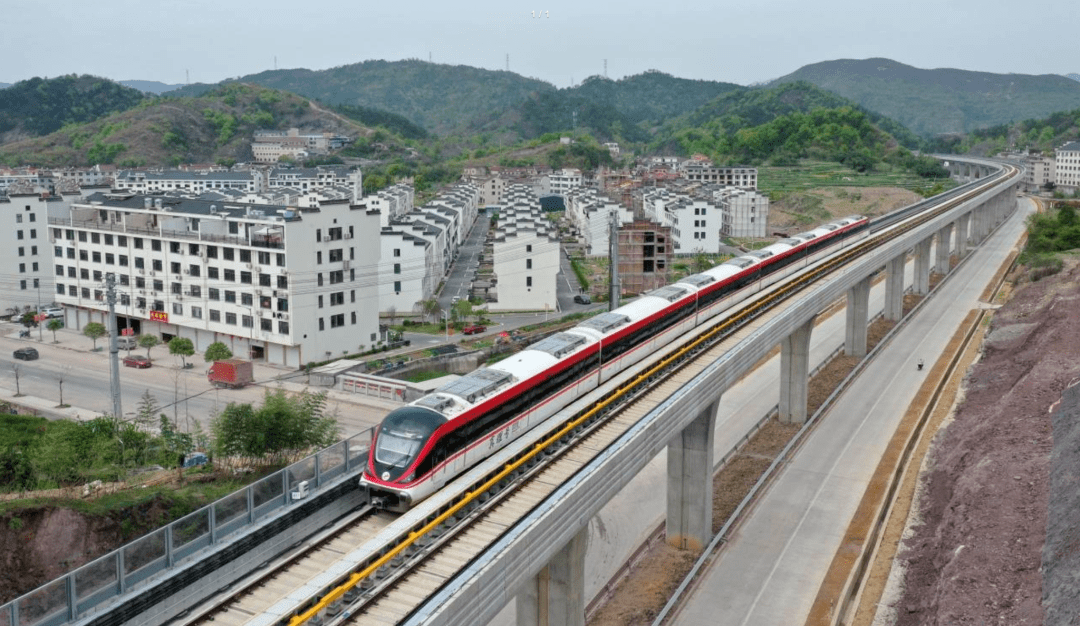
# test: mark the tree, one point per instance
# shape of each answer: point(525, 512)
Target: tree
point(95, 331)
point(147, 410)
point(54, 325)
point(181, 347)
point(27, 319)
point(283, 424)
point(148, 341)
point(217, 351)
point(16, 369)
point(60, 376)
point(463, 309)
point(430, 308)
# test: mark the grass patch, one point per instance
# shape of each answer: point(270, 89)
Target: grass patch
point(421, 376)
point(779, 181)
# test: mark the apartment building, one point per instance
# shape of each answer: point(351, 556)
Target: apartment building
point(392, 203)
point(141, 182)
point(1040, 172)
point(560, 182)
point(409, 270)
point(308, 178)
point(739, 176)
point(590, 213)
point(25, 252)
point(525, 255)
point(695, 223)
point(1067, 167)
point(286, 284)
point(743, 213)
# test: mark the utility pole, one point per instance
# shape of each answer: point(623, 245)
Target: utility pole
point(613, 243)
point(114, 350)
point(37, 314)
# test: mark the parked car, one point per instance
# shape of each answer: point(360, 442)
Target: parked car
point(582, 299)
point(136, 360)
point(53, 312)
point(26, 354)
point(474, 329)
point(126, 342)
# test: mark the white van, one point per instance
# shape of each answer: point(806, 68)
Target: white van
point(126, 342)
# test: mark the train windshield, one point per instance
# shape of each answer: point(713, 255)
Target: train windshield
point(401, 438)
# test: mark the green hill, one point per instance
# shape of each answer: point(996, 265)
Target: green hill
point(438, 97)
point(1038, 135)
point(783, 124)
point(162, 131)
point(931, 102)
point(37, 107)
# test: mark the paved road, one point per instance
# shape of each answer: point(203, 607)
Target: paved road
point(464, 266)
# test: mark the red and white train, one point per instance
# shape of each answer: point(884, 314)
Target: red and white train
point(422, 446)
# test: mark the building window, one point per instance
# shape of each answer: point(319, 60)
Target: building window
point(337, 298)
point(196, 312)
point(528, 264)
point(155, 245)
point(19, 234)
point(245, 278)
point(230, 296)
point(397, 268)
point(337, 276)
point(397, 251)
point(322, 325)
point(212, 272)
point(195, 291)
point(230, 318)
point(283, 328)
point(22, 284)
point(283, 282)
point(246, 299)
point(337, 321)
point(177, 308)
point(318, 257)
point(320, 300)
point(528, 281)
point(157, 265)
point(228, 254)
point(215, 315)
point(123, 260)
point(18, 218)
point(213, 293)
point(337, 255)
point(247, 321)
point(159, 285)
point(319, 279)
point(245, 256)
point(397, 286)
point(528, 247)
point(230, 275)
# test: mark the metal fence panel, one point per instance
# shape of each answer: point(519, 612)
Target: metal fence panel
point(230, 514)
point(359, 444)
point(331, 462)
point(144, 558)
point(302, 470)
point(45, 605)
point(267, 494)
point(95, 582)
point(190, 534)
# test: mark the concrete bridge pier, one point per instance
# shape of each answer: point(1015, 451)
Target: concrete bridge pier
point(944, 248)
point(922, 267)
point(858, 317)
point(689, 482)
point(894, 288)
point(963, 226)
point(556, 595)
point(795, 373)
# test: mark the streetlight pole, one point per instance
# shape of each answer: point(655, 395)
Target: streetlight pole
point(446, 326)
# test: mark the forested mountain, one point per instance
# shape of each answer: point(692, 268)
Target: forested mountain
point(36, 107)
point(782, 124)
point(439, 97)
point(217, 126)
point(931, 102)
point(1039, 135)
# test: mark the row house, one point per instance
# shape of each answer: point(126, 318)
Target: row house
point(392, 203)
point(525, 255)
point(308, 178)
point(590, 213)
point(141, 182)
point(409, 270)
point(286, 284)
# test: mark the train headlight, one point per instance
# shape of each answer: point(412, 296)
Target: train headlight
point(386, 475)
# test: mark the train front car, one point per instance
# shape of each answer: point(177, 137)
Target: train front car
point(395, 453)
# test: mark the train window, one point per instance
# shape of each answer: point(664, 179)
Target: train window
point(741, 262)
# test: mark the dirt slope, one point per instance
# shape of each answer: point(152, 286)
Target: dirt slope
point(976, 557)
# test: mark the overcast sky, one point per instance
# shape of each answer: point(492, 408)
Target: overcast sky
point(740, 42)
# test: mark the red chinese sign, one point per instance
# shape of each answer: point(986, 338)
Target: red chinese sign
point(159, 316)
point(127, 332)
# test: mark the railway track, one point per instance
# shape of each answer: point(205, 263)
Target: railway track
point(386, 586)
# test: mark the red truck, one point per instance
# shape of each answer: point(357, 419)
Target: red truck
point(232, 373)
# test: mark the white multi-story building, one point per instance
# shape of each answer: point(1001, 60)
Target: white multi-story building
point(409, 270)
point(525, 255)
point(590, 214)
point(1067, 167)
point(744, 213)
point(560, 182)
point(1040, 171)
point(26, 259)
point(306, 179)
point(491, 189)
point(192, 182)
point(739, 176)
point(392, 203)
point(286, 284)
point(695, 223)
